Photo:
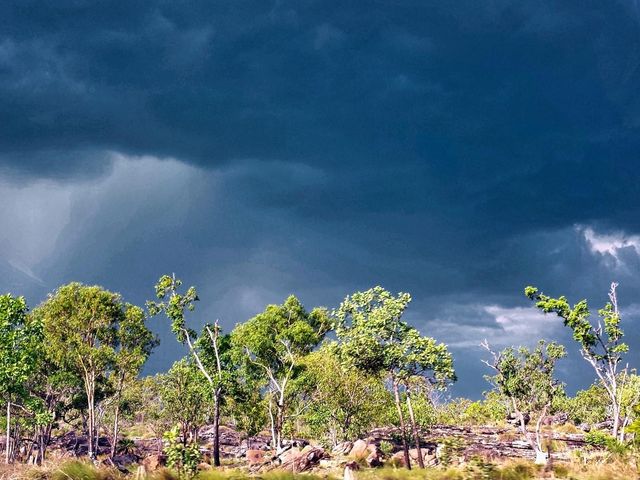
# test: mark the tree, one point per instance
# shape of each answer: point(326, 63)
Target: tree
point(422, 360)
point(601, 345)
point(20, 337)
point(376, 340)
point(342, 402)
point(210, 351)
point(272, 344)
point(136, 343)
point(527, 378)
point(81, 327)
point(185, 394)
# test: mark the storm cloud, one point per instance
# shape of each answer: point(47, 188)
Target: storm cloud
point(458, 151)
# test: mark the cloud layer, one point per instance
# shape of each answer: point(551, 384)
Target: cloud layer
point(459, 151)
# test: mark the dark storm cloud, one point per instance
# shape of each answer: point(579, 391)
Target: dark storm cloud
point(457, 150)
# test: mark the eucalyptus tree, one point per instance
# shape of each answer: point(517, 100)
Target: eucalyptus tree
point(20, 338)
point(375, 340)
point(423, 361)
point(272, 345)
point(81, 329)
point(601, 344)
point(342, 403)
point(135, 343)
point(185, 396)
point(210, 350)
point(526, 377)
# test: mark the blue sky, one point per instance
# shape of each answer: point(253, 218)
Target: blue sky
point(455, 150)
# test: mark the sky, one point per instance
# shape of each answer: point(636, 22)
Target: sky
point(459, 151)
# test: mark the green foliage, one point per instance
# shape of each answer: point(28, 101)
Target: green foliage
point(340, 402)
point(175, 305)
point(20, 341)
point(271, 347)
point(601, 344)
point(81, 325)
point(492, 410)
point(450, 450)
point(185, 395)
point(587, 406)
point(600, 439)
point(183, 457)
point(597, 438)
point(386, 448)
point(527, 377)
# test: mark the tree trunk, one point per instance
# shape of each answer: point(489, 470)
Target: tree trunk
point(616, 419)
point(116, 417)
point(414, 428)
point(272, 420)
point(216, 428)
point(114, 441)
point(8, 445)
point(91, 416)
point(403, 431)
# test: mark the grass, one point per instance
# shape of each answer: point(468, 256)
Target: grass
point(474, 470)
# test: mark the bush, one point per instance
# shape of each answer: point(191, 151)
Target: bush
point(386, 448)
point(183, 458)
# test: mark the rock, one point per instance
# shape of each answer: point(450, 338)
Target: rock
point(304, 460)
point(289, 454)
point(121, 462)
point(514, 419)
point(154, 462)
point(397, 459)
point(374, 459)
point(428, 456)
point(557, 419)
point(359, 450)
point(585, 427)
point(255, 457)
point(342, 448)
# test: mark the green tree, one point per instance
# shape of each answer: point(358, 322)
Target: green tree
point(423, 361)
point(81, 327)
point(272, 344)
point(20, 337)
point(342, 403)
point(376, 340)
point(526, 377)
point(601, 345)
point(136, 342)
point(210, 351)
point(185, 394)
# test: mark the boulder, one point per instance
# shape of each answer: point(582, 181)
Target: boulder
point(428, 457)
point(306, 459)
point(289, 454)
point(255, 457)
point(359, 450)
point(397, 459)
point(122, 462)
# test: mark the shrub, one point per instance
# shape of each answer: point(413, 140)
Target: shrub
point(182, 458)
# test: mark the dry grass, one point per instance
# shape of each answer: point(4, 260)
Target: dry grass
point(476, 470)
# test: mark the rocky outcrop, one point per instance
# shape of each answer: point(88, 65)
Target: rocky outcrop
point(488, 442)
point(303, 460)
